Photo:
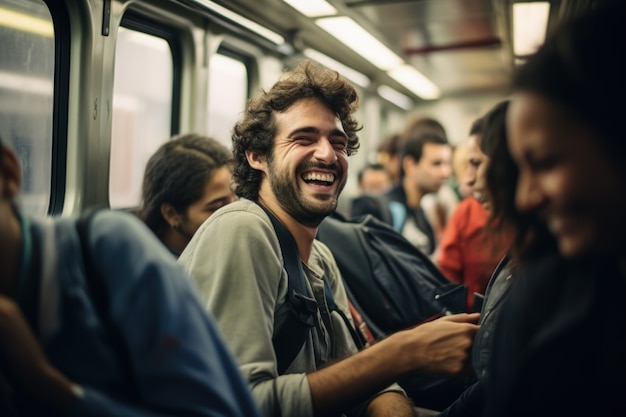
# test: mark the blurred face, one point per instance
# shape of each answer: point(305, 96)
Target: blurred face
point(309, 163)
point(474, 158)
point(432, 170)
point(476, 171)
point(217, 193)
point(375, 181)
point(565, 177)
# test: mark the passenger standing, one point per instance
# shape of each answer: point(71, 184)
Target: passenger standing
point(291, 152)
point(437, 206)
point(425, 166)
point(186, 180)
point(564, 325)
point(150, 350)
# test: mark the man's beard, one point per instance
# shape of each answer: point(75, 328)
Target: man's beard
point(292, 200)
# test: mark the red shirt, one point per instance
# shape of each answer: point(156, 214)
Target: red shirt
point(466, 254)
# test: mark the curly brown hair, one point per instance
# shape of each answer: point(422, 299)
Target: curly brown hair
point(257, 130)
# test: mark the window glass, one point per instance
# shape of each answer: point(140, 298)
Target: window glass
point(228, 92)
point(26, 95)
point(142, 107)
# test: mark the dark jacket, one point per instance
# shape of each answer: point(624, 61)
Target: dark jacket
point(472, 402)
point(561, 345)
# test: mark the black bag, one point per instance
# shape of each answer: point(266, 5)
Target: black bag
point(395, 286)
point(391, 282)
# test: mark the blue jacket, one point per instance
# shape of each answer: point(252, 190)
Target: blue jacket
point(180, 363)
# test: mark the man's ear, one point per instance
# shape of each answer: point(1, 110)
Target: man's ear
point(408, 162)
point(11, 174)
point(256, 161)
point(170, 215)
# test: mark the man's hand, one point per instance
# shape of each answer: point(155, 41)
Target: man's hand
point(442, 346)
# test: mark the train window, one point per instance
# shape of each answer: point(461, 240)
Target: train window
point(142, 109)
point(27, 55)
point(228, 92)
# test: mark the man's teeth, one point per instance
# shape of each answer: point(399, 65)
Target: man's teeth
point(313, 176)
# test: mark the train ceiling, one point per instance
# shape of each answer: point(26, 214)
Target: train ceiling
point(463, 46)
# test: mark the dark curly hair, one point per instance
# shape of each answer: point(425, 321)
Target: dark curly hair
point(257, 130)
point(177, 174)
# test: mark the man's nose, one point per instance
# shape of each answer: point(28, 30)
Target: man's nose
point(325, 152)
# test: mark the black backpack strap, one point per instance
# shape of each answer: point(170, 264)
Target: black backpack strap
point(101, 298)
point(290, 338)
point(359, 339)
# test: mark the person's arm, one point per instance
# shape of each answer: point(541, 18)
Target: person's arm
point(390, 404)
point(440, 347)
point(392, 400)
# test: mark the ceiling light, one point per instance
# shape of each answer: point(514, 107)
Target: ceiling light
point(530, 21)
point(249, 24)
point(352, 75)
point(312, 8)
point(360, 41)
point(26, 23)
point(395, 97)
point(415, 81)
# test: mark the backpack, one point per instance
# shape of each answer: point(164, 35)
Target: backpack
point(394, 213)
point(389, 211)
point(395, 286)
point(391, 283)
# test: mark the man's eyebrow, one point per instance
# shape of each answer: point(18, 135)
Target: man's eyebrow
point(311, 129)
